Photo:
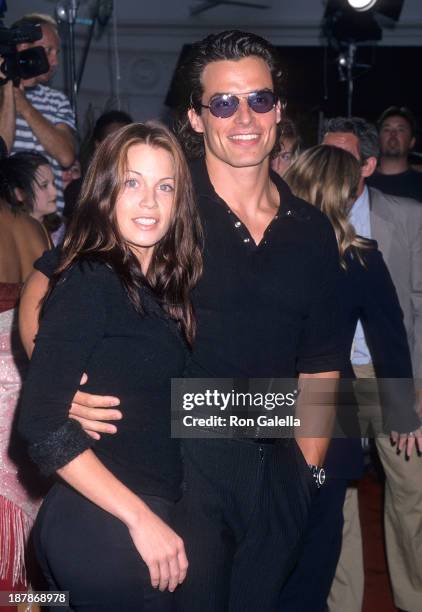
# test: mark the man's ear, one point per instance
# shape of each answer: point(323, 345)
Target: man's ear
point(412, 143)
point(19, 195)
point(195, 121)
point(369, 167)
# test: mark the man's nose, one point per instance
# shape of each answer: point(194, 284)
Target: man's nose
point(244, 112)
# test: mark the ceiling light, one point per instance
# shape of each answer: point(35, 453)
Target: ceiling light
point(362, 5)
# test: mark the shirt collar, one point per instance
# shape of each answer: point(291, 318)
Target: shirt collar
point(289, 204)
point(359, 215)
point(361, 204)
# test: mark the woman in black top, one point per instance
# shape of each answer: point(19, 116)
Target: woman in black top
point(328, 177)
point(118, 309)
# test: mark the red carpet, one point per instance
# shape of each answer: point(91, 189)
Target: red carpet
point(377, 596)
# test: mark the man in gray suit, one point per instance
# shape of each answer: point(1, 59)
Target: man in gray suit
point(396, 224)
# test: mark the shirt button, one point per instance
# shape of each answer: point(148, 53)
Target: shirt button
point(237, 224)
point(246, 240)
point(289, 213)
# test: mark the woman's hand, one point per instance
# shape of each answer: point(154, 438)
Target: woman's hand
point(161, 548)
point(408, 441)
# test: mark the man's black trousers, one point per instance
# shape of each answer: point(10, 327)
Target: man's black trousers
point(243, 515)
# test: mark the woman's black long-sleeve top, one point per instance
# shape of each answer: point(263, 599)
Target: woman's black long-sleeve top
point(89, 325)
point(368, 294)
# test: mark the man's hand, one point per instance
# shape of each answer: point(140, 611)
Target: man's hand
point(56, 138)
point(7, 112)
point(21, 103)
point(92, 410)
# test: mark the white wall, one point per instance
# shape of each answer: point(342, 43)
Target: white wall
point(150, 35)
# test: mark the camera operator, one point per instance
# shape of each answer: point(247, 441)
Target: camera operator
point(33, 116)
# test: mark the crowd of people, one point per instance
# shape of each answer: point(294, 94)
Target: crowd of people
point(218, 249)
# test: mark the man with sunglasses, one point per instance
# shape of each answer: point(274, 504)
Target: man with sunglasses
point(264, 308)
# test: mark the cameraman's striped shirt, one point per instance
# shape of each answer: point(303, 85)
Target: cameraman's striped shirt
point(55, 107)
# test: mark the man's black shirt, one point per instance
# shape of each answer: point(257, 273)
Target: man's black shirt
point(405, 184)
point(266, 310)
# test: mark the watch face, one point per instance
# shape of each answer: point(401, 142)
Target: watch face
point(321, 476)
point(318, 474)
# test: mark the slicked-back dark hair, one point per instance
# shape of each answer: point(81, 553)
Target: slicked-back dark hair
point(228, 45)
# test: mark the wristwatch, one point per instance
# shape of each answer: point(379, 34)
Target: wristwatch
point(318, 474)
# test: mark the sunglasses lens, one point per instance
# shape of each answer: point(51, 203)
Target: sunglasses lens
point(224, 106)
point(262, 101)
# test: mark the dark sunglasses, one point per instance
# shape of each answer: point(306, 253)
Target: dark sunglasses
point(225, 105)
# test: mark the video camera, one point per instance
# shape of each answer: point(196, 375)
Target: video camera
point(25, 64)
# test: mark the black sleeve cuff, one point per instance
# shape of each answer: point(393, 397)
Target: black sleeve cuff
point(60, 447)
point(315, 365)
point(403, 425)
point(398, 402)
point(48, 262)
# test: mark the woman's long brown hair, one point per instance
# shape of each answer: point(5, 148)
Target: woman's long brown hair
point(93, 234)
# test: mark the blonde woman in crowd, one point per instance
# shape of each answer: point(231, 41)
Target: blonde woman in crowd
point(328, 178)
